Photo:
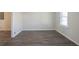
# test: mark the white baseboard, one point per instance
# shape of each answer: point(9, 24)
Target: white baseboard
point(14, 35)
point(37, 29)
point(68, 37)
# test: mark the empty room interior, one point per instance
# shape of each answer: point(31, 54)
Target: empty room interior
point(39, 29)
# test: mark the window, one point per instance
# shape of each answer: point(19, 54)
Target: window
point(63, 18)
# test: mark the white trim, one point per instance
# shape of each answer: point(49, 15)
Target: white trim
point(37, 29)
point(12, 26)
point(14, 35)
point(68, 37)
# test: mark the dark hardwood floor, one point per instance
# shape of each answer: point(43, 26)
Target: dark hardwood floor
point(40, 38)
point(5, 36)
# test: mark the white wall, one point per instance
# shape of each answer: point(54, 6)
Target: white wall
point(72, 32)
point(32, 21)
point(5, 25)
point(17, 18)
point(39, 21)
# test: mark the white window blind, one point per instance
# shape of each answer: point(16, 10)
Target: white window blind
point(63, 18)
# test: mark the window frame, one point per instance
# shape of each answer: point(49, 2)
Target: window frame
point(61, 18)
